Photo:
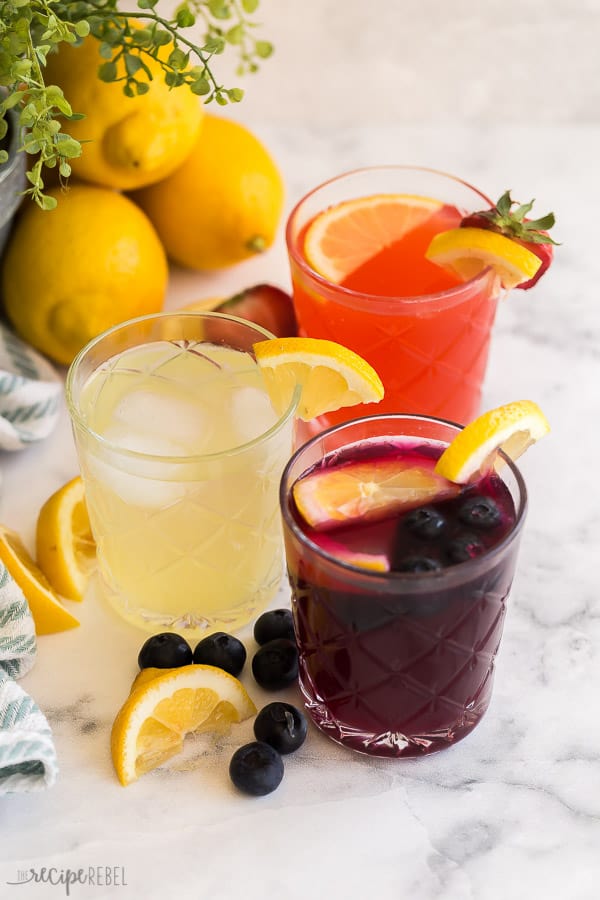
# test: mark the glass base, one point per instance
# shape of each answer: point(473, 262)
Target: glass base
point(192, 624)
point(389, 744)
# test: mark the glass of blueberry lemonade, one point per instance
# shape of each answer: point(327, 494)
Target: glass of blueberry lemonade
point(399, 582)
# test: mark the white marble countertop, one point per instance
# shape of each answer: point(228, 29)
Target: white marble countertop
point(512, 812)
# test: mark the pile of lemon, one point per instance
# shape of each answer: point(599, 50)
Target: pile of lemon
point(201, 190)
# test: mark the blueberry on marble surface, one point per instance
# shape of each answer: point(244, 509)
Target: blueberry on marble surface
point(165, 651)
point(256, 768)
point(273, 624)
point(275, 664)
point(221, 650)
point(282, 726)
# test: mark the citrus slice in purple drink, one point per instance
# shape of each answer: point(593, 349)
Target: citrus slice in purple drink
point(374, 562)
point(366, 491)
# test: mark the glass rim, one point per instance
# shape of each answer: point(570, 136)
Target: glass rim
point(424, 581)
point(79, 421)
point(349, 295)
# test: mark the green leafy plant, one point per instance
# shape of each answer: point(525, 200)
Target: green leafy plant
point(32, 29)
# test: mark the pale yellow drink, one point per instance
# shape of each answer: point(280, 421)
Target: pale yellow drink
point(181, 453)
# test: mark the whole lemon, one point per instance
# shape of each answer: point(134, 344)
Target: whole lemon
point(223, 204)
point(71, 273)
point(132, 141)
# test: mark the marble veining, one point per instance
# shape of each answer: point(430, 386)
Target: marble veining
point(512, 812)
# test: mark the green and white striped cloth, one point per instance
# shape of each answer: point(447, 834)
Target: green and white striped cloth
point(30, 393)
point(27, 753)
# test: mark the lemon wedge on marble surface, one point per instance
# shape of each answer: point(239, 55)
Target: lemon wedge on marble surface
point(163, 708)
point(49, 614)
point(65, 547)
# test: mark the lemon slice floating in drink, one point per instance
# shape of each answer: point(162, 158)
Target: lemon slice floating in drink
point(364, 491)
point(342, 238)
point(511, 428)
point(152, 723)
point(468, 251)
point(65, 548)
point(351, 492)
point(329, 376)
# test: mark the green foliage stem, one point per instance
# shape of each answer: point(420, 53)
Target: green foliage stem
point(31, 29)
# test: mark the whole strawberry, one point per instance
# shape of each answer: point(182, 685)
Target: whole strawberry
point(513, 224)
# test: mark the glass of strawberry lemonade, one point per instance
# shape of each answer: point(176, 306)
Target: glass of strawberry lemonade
point(360, 276)
point(400, 579)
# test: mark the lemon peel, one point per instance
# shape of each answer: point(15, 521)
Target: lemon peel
point(468, 251)
point(511, 428)
point(329, 376)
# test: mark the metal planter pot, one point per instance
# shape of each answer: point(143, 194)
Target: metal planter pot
point(12, 179)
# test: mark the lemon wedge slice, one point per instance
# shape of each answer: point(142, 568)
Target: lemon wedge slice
point(162, 708)
point(366, 491)
point(65, 548)
point(49, 615)
point(330, 376)
point(343, 237)
point(512, 428)
point(468, 251)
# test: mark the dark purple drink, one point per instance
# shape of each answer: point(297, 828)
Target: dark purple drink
point(400, 662)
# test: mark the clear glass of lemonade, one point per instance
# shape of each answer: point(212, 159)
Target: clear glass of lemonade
point(181, 453)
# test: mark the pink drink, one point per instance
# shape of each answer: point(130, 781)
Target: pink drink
point(400, 663)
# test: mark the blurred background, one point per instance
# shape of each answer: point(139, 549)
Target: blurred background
point(503, 93)
point(341, 62)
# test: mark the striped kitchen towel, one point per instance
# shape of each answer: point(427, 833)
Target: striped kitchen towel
point(27, 754)
point(30, 393)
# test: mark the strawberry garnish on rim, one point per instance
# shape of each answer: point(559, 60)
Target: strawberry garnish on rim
point(513, 224)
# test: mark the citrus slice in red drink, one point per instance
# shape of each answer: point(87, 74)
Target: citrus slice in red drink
point(345, 236)
point(512, 428)
point(468, 251)
point(366, 491)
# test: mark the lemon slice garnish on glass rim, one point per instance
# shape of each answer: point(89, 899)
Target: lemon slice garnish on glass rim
point(512, 428)
point(49, 615)
point(330, 376)
point(152, 723)
point(340, 239)
point(468, 251)
point(65, 548)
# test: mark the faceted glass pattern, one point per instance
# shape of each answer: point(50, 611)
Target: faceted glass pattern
point(430, 350)
point(396, 664)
